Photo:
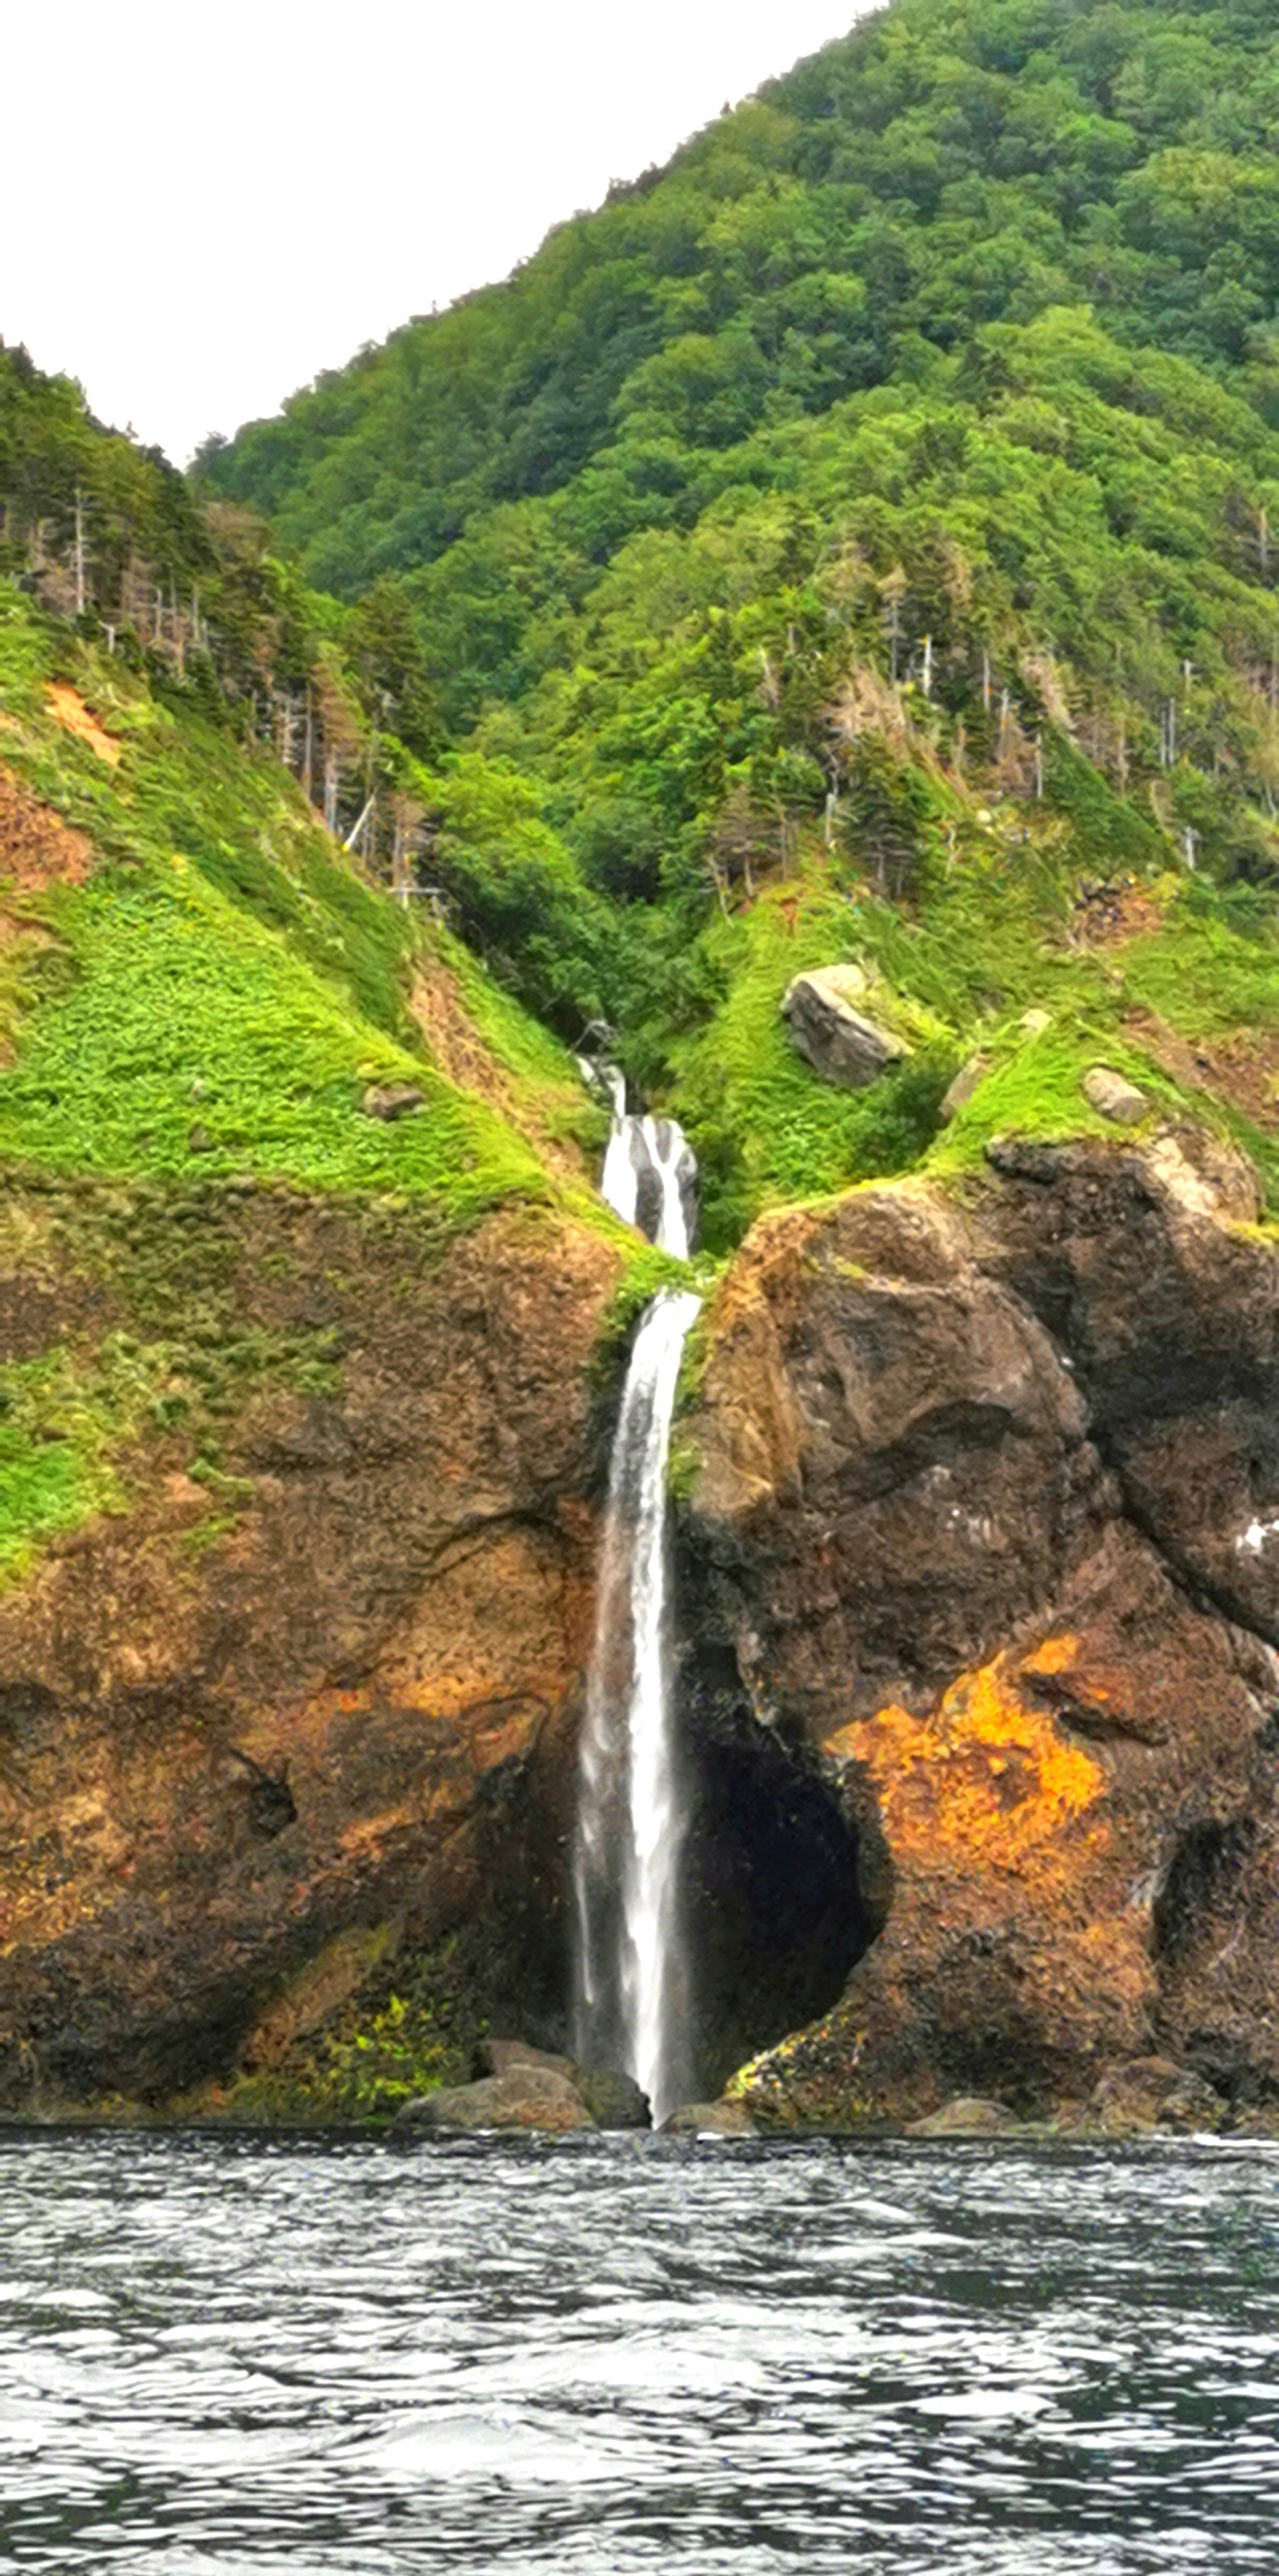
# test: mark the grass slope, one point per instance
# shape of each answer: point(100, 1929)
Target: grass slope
point(196, 990)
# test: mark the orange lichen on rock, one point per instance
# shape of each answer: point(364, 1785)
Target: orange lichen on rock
point(68, 709)
point(984, 1776)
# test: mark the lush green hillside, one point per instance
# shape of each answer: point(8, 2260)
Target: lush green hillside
point(854, 541)
point(944, 167)
point(857, 539)
point(197, 992)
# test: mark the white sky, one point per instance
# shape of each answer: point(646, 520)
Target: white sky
point(200, 208)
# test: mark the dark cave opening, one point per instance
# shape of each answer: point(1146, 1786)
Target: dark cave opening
point(780, 1902)
point(1200, 1878)
point(784, 1887)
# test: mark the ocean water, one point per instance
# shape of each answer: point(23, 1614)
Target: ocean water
point(988, 2360)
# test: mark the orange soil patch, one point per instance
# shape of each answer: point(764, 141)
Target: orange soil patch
point(37, 848)
point(1106, 914)
point(1242, 1068)
point(984, 1780)
point(437, 1006)
point(69, 710)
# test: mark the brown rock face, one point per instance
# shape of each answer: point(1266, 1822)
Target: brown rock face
point(233, 1742)
point(985, 1511)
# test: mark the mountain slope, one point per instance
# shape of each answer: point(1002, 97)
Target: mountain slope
point(855, 541)
point(937, 170)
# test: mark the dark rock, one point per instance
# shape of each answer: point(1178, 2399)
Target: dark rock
point(837, 1039)
point(1152, 2092)
point(403, 1619)
point(391, 1099)
point(523, 2097)
point(614, 2101)
point(987, 1507)
point(199, 1141)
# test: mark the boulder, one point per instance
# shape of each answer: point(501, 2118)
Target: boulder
point(837, 1039)
point(1153, 2092)
point(391, 1099)
point(964, 1085)
point(524, 2097)
point(709, 2120)
point(614, 2101)
point(1113, 1097)
point(966, 2115)
point(498, 2056)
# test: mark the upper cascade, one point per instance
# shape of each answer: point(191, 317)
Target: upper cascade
point(650, 1172)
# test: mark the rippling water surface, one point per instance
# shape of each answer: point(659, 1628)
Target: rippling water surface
point(989, 2361)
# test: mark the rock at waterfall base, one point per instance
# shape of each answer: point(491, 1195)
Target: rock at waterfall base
point(967, 2115)
point(524, 2097)
point(498, 2056)
point(1153, 2093)
point(614, 2101)
point(835, 1038)
point(709, 2120)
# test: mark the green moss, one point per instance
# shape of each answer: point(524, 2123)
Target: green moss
point(1200, 973)
point(411, 2027)
point(62, 1423)
point(49, 1480)
point(225, 988)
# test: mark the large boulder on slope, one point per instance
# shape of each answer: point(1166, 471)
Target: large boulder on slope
point(833, 1033)
point(1113, 1096)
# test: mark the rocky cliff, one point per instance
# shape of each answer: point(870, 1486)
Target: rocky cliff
point(987, 1510)
point(267, 1726)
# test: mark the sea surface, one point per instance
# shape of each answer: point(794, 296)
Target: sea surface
point(988, 2360)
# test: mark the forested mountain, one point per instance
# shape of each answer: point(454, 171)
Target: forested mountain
point(943, 168)
point(881, 494)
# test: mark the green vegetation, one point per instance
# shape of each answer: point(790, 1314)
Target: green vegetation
point(855, 541)
point(411, 2025)
point(220, 994)
point(852, 541)
point(52, 1467)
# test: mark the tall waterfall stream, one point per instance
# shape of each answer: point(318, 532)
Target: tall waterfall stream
point(632, 2000)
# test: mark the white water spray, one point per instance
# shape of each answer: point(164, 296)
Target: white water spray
point(632, 2006)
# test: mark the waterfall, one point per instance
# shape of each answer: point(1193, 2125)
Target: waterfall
point(632, 2002)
